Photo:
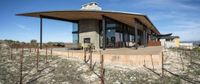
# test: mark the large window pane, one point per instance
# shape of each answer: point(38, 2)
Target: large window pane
point(75, 32)
point(75, 27)
point(110, 34)
point(75, 38)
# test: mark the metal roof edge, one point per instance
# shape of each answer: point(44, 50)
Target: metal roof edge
point(103, 11)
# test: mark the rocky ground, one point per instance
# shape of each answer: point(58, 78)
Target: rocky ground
point(68, 71)
point(185, 64)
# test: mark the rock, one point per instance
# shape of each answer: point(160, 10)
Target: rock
point(83, 68)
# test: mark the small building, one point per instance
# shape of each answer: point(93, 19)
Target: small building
point(104, 29)
point(186, 45)
point(170, 41)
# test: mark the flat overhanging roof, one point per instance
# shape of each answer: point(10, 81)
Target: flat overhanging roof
point(75, 15)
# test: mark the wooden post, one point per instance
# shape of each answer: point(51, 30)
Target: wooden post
point(72, 54)
point(90, 50)
point(30, 49)
point(21, 64)
point(37, 57)
point(16, 48)
point(35, 48)
point(11, 55)
point(144, 63)
point(162, 64)
point(85, 55)
point(152, 61)
point(51, 52)
point(190, 56)
point(46, 54)
point(182, 61)
point(102, 68)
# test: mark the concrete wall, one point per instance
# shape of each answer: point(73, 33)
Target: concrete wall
point(151, 61)
point(177, 41)
point(89, 28)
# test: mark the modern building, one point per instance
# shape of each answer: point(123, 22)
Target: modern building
point(105, 29)
point(170, 41)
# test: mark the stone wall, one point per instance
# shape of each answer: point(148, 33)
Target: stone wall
point(89, 28)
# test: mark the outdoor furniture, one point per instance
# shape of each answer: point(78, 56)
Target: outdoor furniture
point(133, 45)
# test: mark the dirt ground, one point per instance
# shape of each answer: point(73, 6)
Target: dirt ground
point(59, 70)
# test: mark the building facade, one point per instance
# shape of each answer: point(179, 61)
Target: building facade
point(170, 41)
point(104, 29)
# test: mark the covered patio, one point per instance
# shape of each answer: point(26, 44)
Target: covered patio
point(130, 19)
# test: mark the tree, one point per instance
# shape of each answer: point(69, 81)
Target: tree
point(33, 41)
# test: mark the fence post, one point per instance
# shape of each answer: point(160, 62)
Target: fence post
point(46, 54)
point(35, 48)
point(11, 55)
point(102, 68)
point(30, 49)
point(16, 48)
point(21, 64)
point(162, 64)
point(51, 52)
point(190, 57)
point(152, 62)
point(182, 61)
point(90, 50)
point(37, 57)
point(144, 63)
point(84, 55)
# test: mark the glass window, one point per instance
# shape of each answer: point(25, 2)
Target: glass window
point(75, 32)
point(111, 25)
point(119, 39)
point(110, 34)
point(132, 38)
point(75, 38)
point(75, 27)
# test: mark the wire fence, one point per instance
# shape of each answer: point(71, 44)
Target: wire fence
point(176, 63)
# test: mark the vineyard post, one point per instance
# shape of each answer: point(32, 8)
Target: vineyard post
point(90, 50)
point(84, 55)
point(46, 54)
point(51, 52)
point(102, 68)
point(11, 55)
point(162, 64)
point(37, 57)
point(21, 64)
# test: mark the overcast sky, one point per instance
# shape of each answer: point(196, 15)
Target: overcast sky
point(180, 17)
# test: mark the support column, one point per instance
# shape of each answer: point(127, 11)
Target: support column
point(104, 32)
point(144, 39)
point(136, 33)
point(40, 32)
point(123, 36)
